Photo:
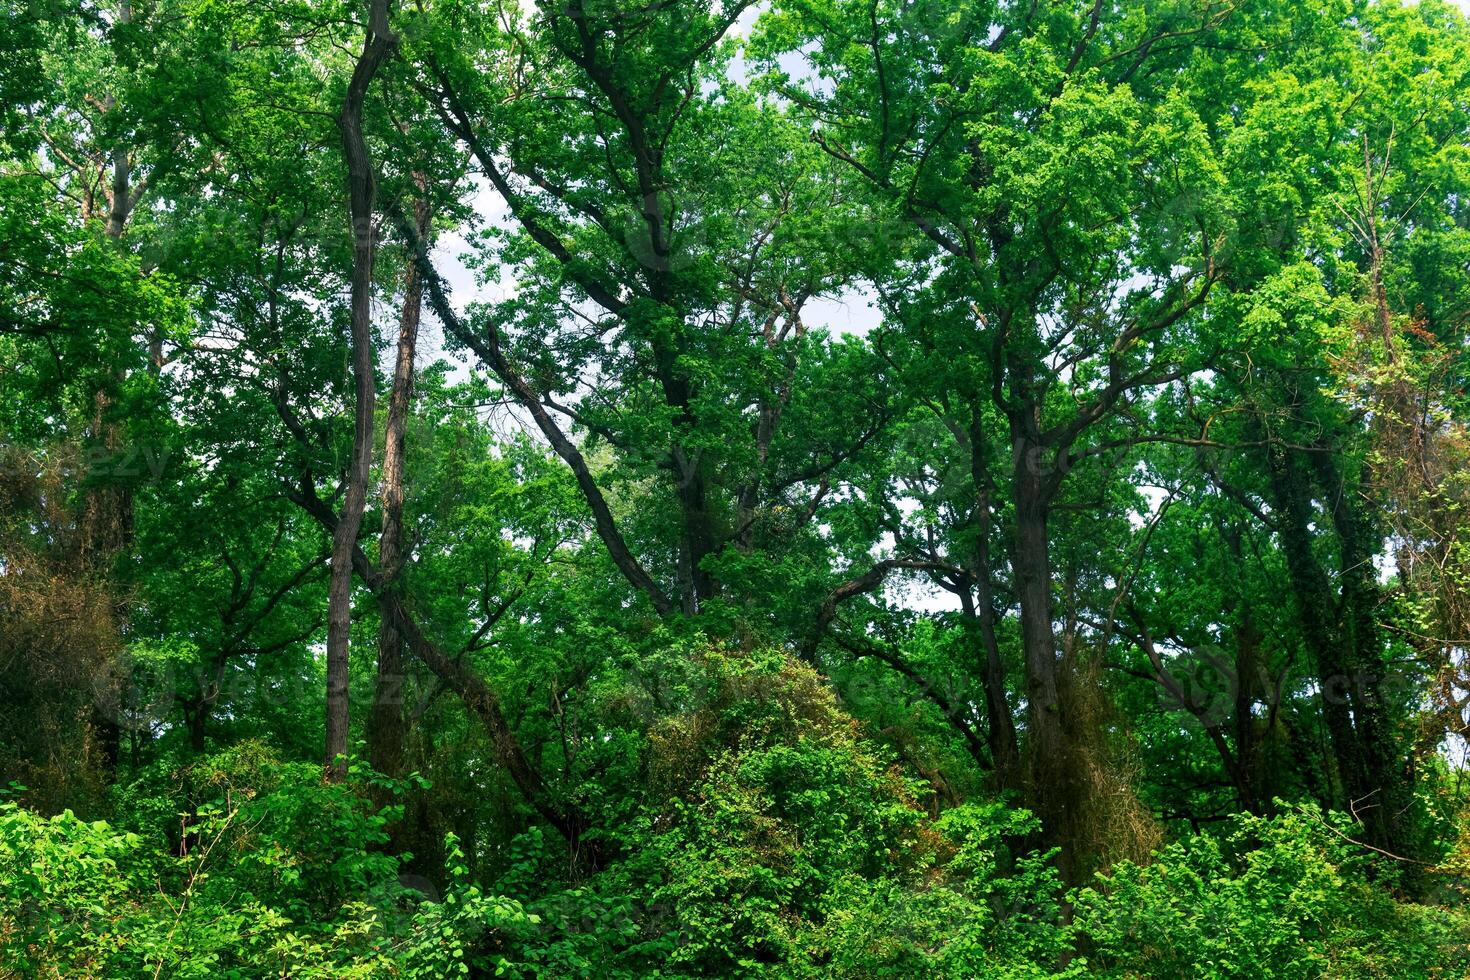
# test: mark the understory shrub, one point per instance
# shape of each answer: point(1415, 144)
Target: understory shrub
point(1289, 896)
point(777, 841)
point(276, 875)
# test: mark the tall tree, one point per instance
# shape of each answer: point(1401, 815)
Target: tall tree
point(361, 181)
point(1023, 151)
point(663, 279)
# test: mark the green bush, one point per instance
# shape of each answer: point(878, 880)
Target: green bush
point(276, 874)
point(1282, 897)
point(981, 909)
point(781, 842)
point(778, 841)
point(62, 884)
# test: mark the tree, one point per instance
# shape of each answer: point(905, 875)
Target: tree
point(663, 286)
point(1066, 260)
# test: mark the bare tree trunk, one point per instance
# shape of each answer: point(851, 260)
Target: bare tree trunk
point(1000, 733)
point(1032, 561)
point(121, 195)
point(979, 607)
point(387, 727)
point(377, 45)
point(1051, 761)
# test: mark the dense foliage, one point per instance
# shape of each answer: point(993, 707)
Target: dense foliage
point(805, 488)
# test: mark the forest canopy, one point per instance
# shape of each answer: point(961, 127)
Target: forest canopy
point(807, 488)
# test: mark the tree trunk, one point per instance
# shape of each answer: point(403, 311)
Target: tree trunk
point(472, 689)
point(1315, 610)
point(1385, 800)
point(387, 727)
point(1247, 751)
point(376, 47)
point(107, 517)
point(697, 538)
point(1341, 632)
point(1000, 734)
point(979, 608)
point(1049, 758)
point(196, 715)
